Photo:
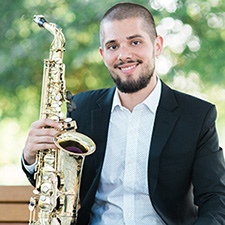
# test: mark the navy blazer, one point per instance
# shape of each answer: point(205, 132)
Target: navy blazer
point(186, 169)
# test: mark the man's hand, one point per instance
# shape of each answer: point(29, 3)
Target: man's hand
point(40, 138)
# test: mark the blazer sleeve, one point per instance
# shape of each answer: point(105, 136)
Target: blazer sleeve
point(30, 176)
point(209, 174)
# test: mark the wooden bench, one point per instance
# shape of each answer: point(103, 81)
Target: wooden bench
point(14, 201)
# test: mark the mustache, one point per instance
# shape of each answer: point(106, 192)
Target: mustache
point(129, 61)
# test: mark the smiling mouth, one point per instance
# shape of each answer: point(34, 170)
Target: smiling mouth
point(128, 66)
point(125, 69)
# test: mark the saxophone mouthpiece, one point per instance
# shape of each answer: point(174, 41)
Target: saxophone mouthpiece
point(40, 20)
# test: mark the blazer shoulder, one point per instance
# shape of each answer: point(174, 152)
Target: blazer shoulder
point(90, 100)
point(197, 108)
point(93, 95)
point(190, 99)
point(192, 106)
point(185, 99)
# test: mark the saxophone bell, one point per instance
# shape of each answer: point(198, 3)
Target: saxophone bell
point(74, 143)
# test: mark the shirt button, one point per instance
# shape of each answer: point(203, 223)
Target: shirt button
point(129, 215)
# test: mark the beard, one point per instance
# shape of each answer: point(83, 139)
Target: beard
point(132, 86)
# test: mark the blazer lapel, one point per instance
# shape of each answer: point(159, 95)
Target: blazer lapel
point(166, 117)
point(100, 116)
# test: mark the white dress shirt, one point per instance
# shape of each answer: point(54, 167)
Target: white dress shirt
point(122, 196)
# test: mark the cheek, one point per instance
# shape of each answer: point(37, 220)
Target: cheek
point(146, 53)
point(110, 60)
point(149, 58)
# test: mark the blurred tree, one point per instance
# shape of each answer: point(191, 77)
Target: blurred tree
point(24, 45)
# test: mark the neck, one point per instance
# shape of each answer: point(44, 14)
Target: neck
point(130, 100)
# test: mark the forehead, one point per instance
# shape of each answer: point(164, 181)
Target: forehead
point(118, 29)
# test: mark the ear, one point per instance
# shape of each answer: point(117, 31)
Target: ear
point(102, 54)
point(158, 45)
point(101, 51)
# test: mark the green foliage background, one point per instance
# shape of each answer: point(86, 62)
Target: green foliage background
point(193, 62)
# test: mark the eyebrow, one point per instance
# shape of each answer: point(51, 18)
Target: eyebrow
point(134, 36)
point(128, 38)
point(111, 41)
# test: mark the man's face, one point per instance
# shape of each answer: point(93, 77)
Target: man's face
point(128, 53)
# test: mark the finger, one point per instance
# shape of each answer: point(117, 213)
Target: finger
point(29, 155)
point(43, 139)
point(38, 143)
point(45, 123)
point(33, 132)
point(43, 132)
point(43, 146)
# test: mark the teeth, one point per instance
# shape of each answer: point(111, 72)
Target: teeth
point(128, 68)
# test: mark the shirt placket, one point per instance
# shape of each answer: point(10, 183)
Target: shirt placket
point(130, 169)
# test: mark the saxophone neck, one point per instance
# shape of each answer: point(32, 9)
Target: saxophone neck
point(58, 43)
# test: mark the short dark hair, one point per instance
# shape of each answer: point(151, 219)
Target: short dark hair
point(127, 10)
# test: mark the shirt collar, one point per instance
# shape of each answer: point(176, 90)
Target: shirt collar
point(152, 101)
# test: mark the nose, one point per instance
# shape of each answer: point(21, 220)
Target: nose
point(125, 53)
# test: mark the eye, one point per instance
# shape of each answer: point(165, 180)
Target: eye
point(112, 47)
point(136, 42)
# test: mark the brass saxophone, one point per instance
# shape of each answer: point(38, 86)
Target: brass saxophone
point(58, 171)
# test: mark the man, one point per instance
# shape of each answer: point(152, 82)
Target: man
point(157, 159)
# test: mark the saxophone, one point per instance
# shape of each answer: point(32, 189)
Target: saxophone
point(58, 171)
